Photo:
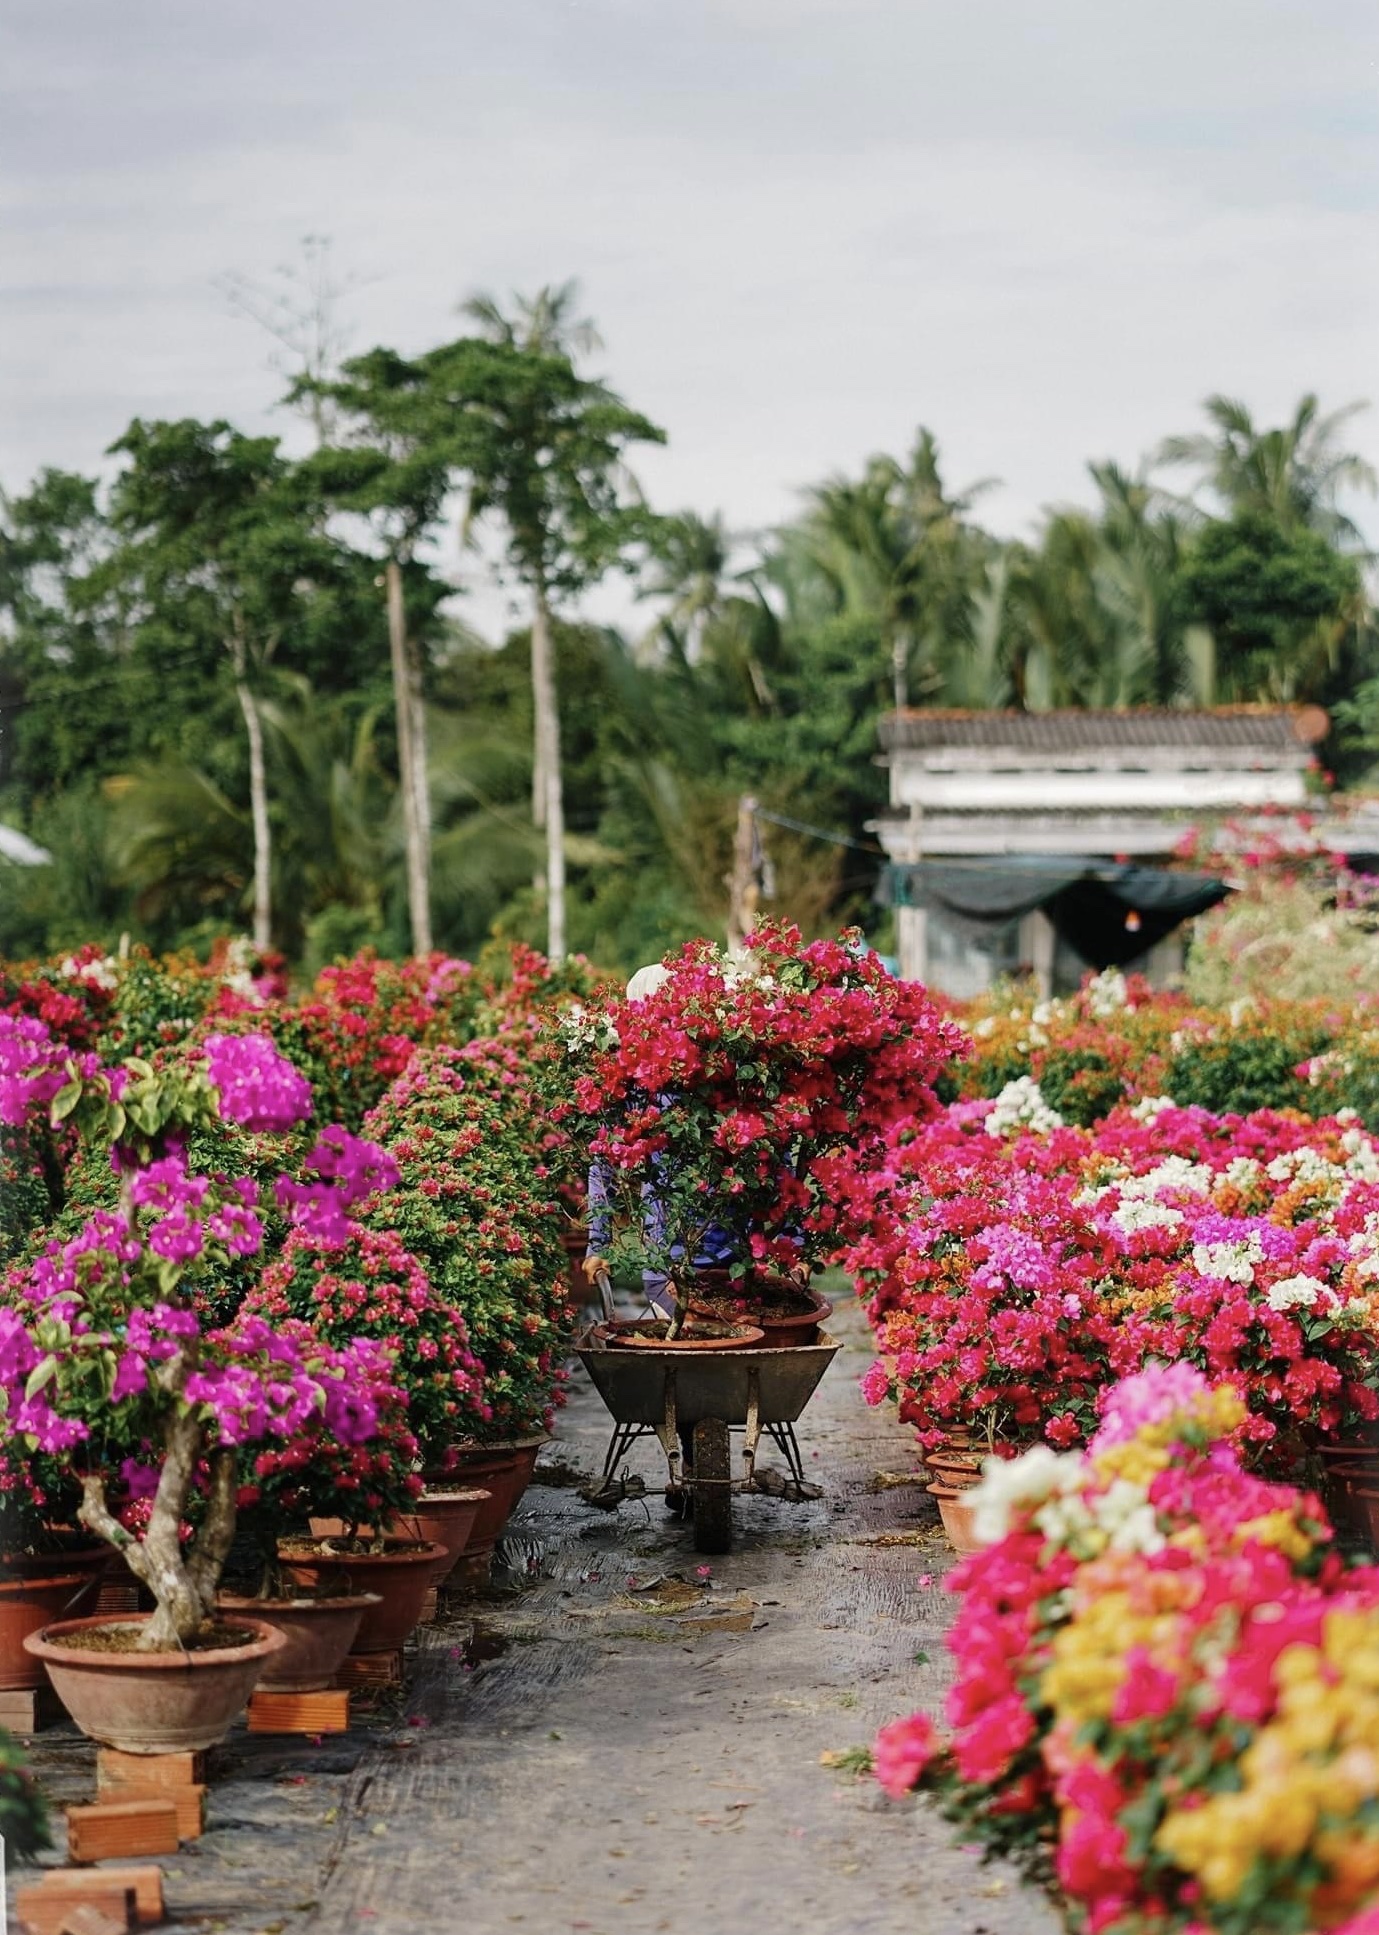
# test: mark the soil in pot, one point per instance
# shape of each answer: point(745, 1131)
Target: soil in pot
point(400, 1575)
point(319, 1633)
point(26, 1606)
point(786, 1313)
point(650, 1334)
point(444, 1518)
point(152, 1703)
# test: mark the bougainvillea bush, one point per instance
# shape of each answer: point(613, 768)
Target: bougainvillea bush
point(1012, 1269)
point(476, 1204)
point(1117, 1040)
point(1167, 1683)
point(106, 1359)
point(743, 1096)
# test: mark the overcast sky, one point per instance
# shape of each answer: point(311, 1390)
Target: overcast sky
point(1046, 228)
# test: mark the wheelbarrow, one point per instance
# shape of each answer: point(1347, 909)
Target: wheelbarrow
point(657, 1392)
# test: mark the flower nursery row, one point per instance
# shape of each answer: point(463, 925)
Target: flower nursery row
point(1153, 1328)
point(282, 1322)
point(1117, 1040)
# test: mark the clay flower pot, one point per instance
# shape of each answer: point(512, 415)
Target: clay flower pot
point(26, 1606)
point(504, 1471)
point(443, 1518)
point(90, 1558)
point(400, 1576)
point(957, 1470)
point(956, 1510)
point(319, 1633)
point(153, 1703)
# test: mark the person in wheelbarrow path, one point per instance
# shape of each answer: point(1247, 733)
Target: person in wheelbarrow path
point(715, 1248)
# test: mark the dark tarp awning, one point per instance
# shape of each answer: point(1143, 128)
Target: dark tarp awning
point(1086, 899)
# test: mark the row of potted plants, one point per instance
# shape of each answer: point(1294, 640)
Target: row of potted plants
point(1013, 1272)
point(222, 1333)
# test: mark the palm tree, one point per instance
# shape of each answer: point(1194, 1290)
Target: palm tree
point(1294, 473)
point(896, 546)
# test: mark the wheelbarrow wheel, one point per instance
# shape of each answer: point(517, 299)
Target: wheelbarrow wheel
point(713, 1498)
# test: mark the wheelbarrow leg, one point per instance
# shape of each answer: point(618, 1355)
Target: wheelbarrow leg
point(668, 1432)
point(789, 1446)
point(623, 1438)
point(751, 1437)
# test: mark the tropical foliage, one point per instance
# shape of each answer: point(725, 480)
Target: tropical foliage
point(238, 693)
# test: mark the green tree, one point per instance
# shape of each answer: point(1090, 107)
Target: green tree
point(542, 450)
point(212, 542)
point(1293, 474)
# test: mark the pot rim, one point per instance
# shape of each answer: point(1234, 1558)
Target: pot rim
point(39, 1581)
point(430, 1550)
point(339, 1602)
point(267, 1642)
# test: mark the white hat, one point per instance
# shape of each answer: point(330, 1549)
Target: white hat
point(647, 980)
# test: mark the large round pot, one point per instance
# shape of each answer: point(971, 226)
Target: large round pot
point(399, 1575)
point(26, 1606)
point(154, 1703)
point(319, 1633)
point(446, 1518)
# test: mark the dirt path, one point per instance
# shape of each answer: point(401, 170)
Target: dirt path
point(603, 1769)
point(574, 1757)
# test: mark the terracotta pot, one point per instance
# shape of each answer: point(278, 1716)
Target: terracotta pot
point(957, 1470)
point(444, 1518)
point(26, 1606)
point(1350, 1469)
point(89, 1558)
point(319, 1633)
point(955, 1508)
point(400, 1577)
point(154, 1703)
point(1365, 1505)
point(505, 1471)
point(643, 1335)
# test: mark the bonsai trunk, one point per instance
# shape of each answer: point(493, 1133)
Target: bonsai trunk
point(183, 1582)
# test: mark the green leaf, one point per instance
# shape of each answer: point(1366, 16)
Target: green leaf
point(40, 1376)
point(66, 1099)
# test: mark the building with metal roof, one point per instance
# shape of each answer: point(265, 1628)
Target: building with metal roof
point(1038, 840)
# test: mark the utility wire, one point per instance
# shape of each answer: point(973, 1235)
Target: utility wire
point(818, 832)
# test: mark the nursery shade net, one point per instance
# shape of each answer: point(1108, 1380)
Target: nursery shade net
point(1087, 900)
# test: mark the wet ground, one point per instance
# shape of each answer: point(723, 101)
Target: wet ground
point(612, 1744)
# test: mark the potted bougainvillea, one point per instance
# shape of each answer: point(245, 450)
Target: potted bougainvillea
point(106, 1358)
point(476, 1204)
point(729, 1113)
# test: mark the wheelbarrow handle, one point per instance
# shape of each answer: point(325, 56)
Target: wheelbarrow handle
point(605, 1284)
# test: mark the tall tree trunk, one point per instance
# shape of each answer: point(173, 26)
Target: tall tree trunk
point(411, 770)
point(258, 802)
point(547, 710)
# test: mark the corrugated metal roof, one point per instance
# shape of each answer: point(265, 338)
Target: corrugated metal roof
point(1264, 730)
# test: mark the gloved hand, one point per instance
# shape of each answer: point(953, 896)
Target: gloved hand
point(595, 1267)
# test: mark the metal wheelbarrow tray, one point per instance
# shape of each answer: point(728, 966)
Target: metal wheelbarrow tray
point(662, 1391)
